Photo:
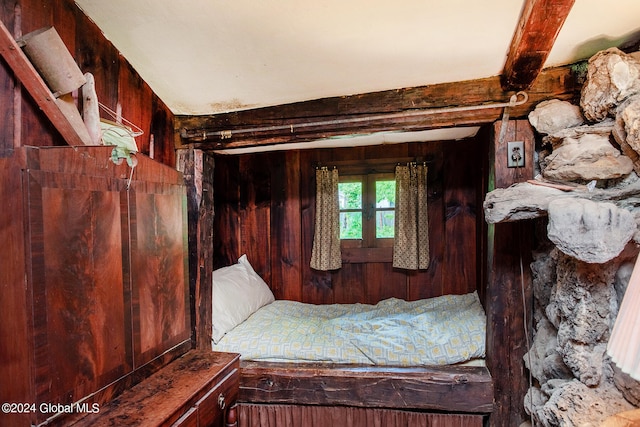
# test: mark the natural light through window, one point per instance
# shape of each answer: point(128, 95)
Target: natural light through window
point(385, 208)
point(367, 207)
point(350, 195)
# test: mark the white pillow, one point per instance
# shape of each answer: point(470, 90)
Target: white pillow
point(238, 291)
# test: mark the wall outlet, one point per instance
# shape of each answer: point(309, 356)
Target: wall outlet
point(515, 154)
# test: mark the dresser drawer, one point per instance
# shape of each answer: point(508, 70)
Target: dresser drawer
point(189, 419)
point(212, 407)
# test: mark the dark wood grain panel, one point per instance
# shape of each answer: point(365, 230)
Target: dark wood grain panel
point(159, 268)
point(431, 282)
point(255, 211)
point(78, 291)
point(349, 286)
point(461, 215)
point(383, 281)
point(16, 352)
point(285, 227)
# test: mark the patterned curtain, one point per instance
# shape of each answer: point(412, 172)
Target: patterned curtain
point(326, 254)
point(411, 240)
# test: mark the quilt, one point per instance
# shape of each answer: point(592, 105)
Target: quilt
point(436, 331)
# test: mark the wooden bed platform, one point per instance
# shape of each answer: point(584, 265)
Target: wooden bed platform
point(462, 394)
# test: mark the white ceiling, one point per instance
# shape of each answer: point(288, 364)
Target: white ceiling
point(214, 56)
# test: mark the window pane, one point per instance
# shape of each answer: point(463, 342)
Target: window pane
point(385, 199)
point(384, 224)
point(351, 225)
point(385, 194)
point(350, 195)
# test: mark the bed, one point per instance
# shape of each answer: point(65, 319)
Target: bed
point(402, 362)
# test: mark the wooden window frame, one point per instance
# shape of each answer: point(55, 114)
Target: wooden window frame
point(369, 248)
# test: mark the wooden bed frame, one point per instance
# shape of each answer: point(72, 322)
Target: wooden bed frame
point(458, 395)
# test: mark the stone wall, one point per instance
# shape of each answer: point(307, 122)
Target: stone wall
point(574, 382)
point(588, 189)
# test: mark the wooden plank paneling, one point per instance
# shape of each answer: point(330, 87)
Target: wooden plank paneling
point(461, 216)
point(117, 83)
point(348, 286)
point(255, 212)
point(138, 111)
point(226, 245)
point(269, 212)
point(286, 242)
point(16, 352)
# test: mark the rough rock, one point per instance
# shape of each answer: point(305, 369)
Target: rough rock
point(629, 114)
point(581, 270)
point(534, 400)
point(622, 278)
point(584, 298)
point(612, 76)
point(554, 115)
point(626, 131)
point(629, 387)
point(603, 128)
point(543, 269)
point(593, 232)
point(590, 157)
point(520, 201)
point(574, 404)
point(585, 361)
point(527, 201)
point(543, 359)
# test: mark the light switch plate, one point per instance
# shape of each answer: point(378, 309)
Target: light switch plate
point(515, 154)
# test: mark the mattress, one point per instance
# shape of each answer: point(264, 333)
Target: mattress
point(438, 331)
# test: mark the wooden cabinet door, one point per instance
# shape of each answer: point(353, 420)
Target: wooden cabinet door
point(106, 266)
point(159, 270)
point(79, 296)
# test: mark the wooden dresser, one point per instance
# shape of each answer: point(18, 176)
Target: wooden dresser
point(198, 389)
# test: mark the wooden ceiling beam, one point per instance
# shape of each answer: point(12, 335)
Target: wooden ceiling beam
point(539, 25)
point(290, 122)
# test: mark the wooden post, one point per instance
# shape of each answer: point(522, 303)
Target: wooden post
point(197, 168)
point(508, 278)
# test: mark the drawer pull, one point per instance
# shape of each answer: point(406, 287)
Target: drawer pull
point(221, 401)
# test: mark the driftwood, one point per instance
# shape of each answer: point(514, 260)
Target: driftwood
point(527, 201)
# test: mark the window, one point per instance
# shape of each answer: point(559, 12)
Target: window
point(367, 209)
point(367, 204)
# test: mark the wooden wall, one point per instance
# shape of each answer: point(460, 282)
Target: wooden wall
point(23, 124)
point(265, 203)
point(117, 83)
